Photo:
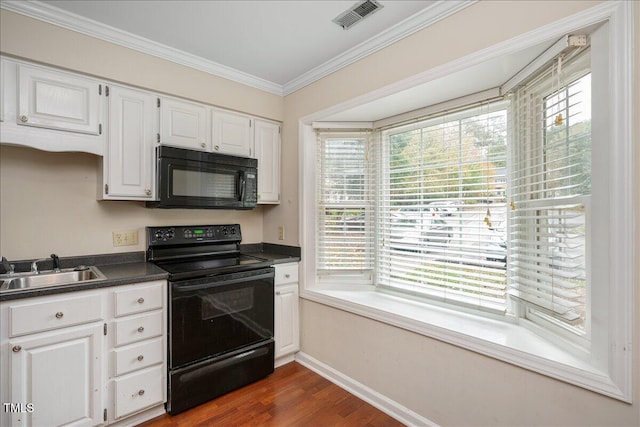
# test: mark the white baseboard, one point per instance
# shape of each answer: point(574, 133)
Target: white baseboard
point(284, 360)
point(372, 397)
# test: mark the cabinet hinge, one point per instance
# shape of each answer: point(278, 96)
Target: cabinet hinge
point(106, 90)
point(104, 329)
point(158, 138)
point(279, 130)
point(104, 414)
point(99, 89)
point(106, 189)
point(158, 102)
point(100, 129)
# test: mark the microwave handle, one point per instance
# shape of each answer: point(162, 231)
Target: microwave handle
point(242, 182)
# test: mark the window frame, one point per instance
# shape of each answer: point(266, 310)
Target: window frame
point(608, 369)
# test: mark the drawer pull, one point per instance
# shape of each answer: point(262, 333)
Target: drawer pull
point(140, 393)
point(140, 358)
point(140, 300)
point(24, 119)
point(16, 348)
point(141, 329)
point(277, 292)
point(59, 315)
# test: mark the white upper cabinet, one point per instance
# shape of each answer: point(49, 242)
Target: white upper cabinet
point(129, 161)
point(51, 110)
point(183, 124)
point(58, 100)
point(232, 134)
point(267, 148)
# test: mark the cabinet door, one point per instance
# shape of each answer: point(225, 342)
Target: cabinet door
point(129, 159)
point(183, 124)
point(232, 134)
point(267, 146)
point(58, 100)
point(286, 326)
point(60, 374)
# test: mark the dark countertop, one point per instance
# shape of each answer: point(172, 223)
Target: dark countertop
point(277, 254)
point(131, 267)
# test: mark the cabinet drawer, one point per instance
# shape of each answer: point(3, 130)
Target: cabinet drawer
point(138, 356)
point(138, 298)
point(286, 273)
point(138, 328)
point(138, 391)
point(31, 317)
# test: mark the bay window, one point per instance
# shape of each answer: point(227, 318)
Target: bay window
point(501, 225)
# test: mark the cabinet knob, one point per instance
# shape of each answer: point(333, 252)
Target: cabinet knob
point(140, 358)
point(140, 393)
point(59, 315)
point(217, 148)
point(203, 145)
point(277, 292)
point(16, 348)
point(147, 192)
point(24, 119)
point(141, 329)
point(140, 300)
point(286, 276)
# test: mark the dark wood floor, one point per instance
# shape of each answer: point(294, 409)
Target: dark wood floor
point(292, 396)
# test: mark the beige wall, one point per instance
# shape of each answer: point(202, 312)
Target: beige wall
point(444, 383)
point(48, 200)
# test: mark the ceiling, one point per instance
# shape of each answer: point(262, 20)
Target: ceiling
point(278, 46)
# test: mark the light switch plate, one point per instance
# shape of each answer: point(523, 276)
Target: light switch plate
point(125, 238)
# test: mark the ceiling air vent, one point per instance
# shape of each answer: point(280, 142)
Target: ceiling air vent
point(357, 13)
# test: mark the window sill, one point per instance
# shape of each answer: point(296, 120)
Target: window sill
point(510, 342)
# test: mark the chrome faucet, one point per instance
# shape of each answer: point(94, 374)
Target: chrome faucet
point(8, 268)
point(54, 258)
point(34, 265)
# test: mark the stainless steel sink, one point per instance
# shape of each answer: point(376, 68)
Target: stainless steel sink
point(65, 276)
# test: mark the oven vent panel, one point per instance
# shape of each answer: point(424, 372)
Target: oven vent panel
point(357, 13)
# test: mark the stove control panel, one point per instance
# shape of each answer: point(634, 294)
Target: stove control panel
point(193, 234)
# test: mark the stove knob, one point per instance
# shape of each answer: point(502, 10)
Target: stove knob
point(169, 235)
point(159, 235)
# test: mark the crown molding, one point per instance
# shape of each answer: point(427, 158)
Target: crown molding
point(428, 16)
point(71, 21)
point(52, 15)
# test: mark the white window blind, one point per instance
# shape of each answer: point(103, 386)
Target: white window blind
point(550, 180)
point(345, 205)
point(442, 208)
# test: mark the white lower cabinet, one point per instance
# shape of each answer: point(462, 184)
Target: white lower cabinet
point(60, 374)
point(137, 347)
point(286, 321)
point(62, 363)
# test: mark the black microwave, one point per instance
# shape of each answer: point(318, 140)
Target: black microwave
point(198, 180)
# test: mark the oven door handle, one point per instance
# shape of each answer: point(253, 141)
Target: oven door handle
point(185, 288)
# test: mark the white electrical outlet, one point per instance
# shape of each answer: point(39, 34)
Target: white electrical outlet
point(281, 232)
point(125, 238)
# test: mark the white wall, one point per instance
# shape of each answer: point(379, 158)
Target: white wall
point(441, 382)
point(48, 200)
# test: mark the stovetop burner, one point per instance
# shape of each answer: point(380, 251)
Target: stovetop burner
point(209, 266)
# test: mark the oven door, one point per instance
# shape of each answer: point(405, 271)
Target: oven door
point(217, 314)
